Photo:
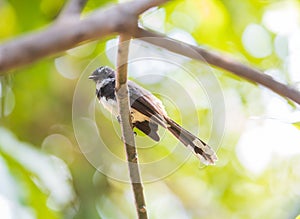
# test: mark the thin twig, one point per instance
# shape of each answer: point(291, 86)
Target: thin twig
point(126, 126)
point(221, 61)
point(72, 7)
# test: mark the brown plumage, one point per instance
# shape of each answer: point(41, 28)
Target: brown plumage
point(147, 112)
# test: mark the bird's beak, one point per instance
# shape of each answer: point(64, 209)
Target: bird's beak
point(92, 77)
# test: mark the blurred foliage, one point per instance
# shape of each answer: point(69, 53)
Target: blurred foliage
point(33, 184)
point(54, 176)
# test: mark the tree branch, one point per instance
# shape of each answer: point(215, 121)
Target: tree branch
point(73, 7)
point(126, 126)
point(221, 61)
point(61, 36)
point(122, 19)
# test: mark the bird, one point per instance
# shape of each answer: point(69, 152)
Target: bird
point(147, 113)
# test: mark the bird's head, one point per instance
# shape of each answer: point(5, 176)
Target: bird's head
point(102, 73)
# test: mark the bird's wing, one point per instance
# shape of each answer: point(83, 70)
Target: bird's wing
point(147, 104)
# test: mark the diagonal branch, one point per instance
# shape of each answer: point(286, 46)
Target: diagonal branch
point(221, 61)
point(126, 126)
point(73, 7)
point(61, 36)
point(122, 19)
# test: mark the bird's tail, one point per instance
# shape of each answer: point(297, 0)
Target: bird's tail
point(203, 151)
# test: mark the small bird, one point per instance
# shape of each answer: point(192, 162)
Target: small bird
point(147, 112)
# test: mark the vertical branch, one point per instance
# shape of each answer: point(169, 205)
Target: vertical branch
point(2, 96)
point(126, 126)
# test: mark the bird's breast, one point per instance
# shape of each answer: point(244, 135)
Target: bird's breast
point(110, 105)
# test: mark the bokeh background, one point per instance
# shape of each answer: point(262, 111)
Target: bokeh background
point(46, 173)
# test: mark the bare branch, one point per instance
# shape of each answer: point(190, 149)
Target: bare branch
point(126, 126)
point(221, 61)
point(122, 19)
point(66, 35)
point(73, 7)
